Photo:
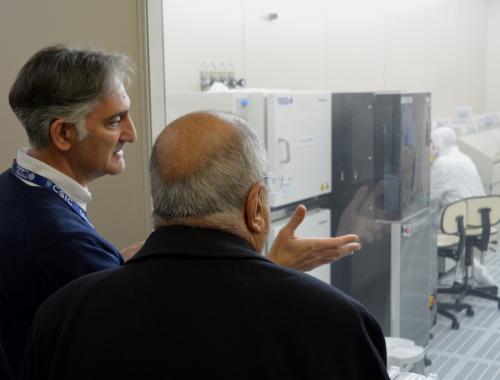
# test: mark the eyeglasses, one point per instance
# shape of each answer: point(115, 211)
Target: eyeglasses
point(273, 183)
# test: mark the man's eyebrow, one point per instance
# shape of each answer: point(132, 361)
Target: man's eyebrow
point(114, 116)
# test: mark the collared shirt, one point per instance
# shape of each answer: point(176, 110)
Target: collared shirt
point(78, 193)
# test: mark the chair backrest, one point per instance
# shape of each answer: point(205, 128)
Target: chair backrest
point(453, 222)
point(476, 207)
point(451, 215)
point(483, 212)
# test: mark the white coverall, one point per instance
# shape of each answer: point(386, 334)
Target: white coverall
point(453, 177)
point(453, 174)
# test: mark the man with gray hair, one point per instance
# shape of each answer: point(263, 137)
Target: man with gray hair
point(74, 107)
point(199, 300)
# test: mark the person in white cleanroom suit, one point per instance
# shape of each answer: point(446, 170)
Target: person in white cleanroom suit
point(453, 177)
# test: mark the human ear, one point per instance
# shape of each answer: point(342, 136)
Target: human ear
point(62, 134)
point(255, 209)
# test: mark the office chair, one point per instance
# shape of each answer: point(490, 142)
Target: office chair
point(451, 244)
point(476, 221)
point(482, 214)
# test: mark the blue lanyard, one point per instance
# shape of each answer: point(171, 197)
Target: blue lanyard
point(41, 181)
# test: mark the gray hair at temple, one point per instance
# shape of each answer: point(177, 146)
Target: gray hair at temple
point(218, 189)
point(67, 82)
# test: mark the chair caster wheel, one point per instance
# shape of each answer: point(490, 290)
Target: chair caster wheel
point(455, 325)
point(470, 313)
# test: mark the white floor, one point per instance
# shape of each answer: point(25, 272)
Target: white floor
point(473, 351)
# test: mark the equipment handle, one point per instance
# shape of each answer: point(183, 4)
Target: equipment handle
point(287, 150)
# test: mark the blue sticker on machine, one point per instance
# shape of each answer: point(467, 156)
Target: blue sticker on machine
point(284, 101)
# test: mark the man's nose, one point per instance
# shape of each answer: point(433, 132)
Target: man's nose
point(128, 133)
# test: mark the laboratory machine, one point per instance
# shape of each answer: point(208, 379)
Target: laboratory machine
point(293, 125)
point(380, 181)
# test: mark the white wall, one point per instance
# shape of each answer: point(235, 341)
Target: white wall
point(472, 58)
point(339, 45)
point(444, 56)
point(355, 45)
point(289, 51)
point(493, 56)
point(118, 209)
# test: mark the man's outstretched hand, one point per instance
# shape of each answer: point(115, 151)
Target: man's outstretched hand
point(308, 253)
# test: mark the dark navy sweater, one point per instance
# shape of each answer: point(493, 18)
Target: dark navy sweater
point(44, 244)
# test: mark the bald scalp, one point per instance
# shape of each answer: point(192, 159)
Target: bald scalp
point(189, 143)
point(203, 165)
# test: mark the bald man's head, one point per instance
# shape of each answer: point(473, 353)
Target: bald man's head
point(190, 142)
point(202, 164)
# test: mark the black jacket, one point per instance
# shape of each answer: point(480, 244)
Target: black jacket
point(201, 304)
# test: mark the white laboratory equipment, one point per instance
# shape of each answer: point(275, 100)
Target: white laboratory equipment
point(293, 125)
point(402, 355)
point(316, 224)
point(483, 148)
point(395, 373)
